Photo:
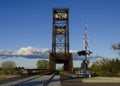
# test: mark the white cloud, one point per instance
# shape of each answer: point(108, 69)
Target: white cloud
point(73, 51)
point(31, 51)
point(42, 53)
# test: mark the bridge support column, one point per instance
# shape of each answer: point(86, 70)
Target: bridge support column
point(70, 63)
point(52, 63)
point(68, 66)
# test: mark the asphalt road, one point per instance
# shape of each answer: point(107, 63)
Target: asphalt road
point(73, 81)
point(77, 82)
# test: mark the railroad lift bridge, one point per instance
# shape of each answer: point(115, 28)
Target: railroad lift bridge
point(60, 40)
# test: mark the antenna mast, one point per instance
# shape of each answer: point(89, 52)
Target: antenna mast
point(86, 39)
point(85, 52)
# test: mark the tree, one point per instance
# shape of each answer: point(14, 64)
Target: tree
point(116, 47)
point(8, 67)
point(42, 64)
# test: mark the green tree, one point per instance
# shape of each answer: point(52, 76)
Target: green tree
point(42, 64)
point(8, 67)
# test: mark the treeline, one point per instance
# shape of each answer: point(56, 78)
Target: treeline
point(106, 67)
point(10, 68)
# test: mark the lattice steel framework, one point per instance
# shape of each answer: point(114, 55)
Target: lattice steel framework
point(60, 39)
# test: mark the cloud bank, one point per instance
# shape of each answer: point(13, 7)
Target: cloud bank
point(27, 52)
point(39, 53)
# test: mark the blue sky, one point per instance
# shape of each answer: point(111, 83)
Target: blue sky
point(28, 23)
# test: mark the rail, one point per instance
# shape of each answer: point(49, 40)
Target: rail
point(50, 79)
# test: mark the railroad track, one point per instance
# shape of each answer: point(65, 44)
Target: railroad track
point(39, 80)
point(50, 79)
point(6, 80)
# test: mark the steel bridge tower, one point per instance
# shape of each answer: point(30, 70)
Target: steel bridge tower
point(60, 40)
